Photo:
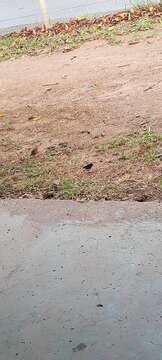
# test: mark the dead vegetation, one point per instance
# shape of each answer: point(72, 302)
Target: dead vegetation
point(116, 29)
point(126, 167)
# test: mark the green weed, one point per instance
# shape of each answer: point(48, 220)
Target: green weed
point(149, 139)
point(70, 189)
point(108, 189)
point(151, 156)
point(144, 24)
point(103, 148)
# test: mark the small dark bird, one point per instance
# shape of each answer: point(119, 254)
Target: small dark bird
point(34, 151)
point(88, 166)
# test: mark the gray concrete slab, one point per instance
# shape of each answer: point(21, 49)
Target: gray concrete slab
point(19, 12)
point(80, 281)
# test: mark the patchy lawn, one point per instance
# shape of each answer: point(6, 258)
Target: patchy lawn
point(124, 168)
point(85, 124)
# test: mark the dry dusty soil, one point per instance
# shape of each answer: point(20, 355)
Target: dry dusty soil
point(97, 105)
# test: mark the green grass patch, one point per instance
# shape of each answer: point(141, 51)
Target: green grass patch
point(70, 189)
point(134, 146)
point(150, 138)
point(120, 141)
point(39, 177)
point(151, 155)
point(107, 189)
point(32, 176)
point(144, 24)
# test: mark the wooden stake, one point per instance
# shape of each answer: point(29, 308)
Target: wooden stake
point(43, 6)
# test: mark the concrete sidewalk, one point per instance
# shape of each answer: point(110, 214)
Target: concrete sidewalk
point(22, 12)
point(80, 281)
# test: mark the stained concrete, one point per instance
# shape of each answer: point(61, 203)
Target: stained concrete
point(80, 281)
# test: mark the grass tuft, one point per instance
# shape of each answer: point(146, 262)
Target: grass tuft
point(70, 189)
point(149, 139)
point(135, 146)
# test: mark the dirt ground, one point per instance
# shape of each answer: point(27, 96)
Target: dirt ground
point(61, 112)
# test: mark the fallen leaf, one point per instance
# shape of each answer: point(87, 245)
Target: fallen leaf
point(133, 42)
point(34, 117)
point(120, 33)
point(122, 15)
point(2, 115)
point(82, 22)
point(110, 28)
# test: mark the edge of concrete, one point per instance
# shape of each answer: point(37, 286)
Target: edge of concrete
point(48, 211)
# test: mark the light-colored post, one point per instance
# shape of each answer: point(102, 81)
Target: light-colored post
point(43, 6)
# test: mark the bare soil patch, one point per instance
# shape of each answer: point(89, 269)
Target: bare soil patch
point(98, 105)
